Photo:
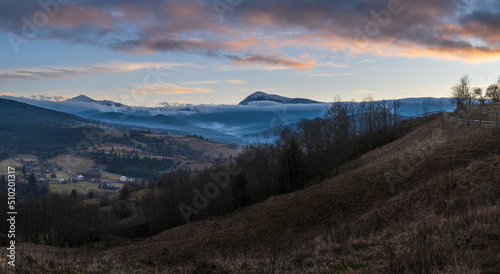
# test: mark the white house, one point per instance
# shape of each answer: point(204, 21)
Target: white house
point(123, 179)
point(62, 181)
point(80, 177)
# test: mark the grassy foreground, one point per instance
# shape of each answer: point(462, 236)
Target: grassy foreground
point(429, 202)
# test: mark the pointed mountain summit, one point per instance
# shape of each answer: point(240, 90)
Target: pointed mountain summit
point(81, 98)
point(262, 96)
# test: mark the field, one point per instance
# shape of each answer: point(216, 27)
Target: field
point(74, 164)
point(15, 162)
point(8, 163)
point(81, 187)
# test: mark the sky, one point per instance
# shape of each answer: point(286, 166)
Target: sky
point(145, 53)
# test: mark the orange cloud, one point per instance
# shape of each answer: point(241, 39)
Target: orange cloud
point(280, 61)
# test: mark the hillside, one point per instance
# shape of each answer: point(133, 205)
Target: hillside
point(427, 202)
point(25, 128)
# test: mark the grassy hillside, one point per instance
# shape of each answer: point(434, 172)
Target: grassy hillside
point(427, 202)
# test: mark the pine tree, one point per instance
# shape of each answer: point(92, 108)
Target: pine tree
point(240, 191)
point(32, 184)
point(3, 184)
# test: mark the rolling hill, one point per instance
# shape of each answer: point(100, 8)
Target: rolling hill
point(428, 202)
point(25, 128)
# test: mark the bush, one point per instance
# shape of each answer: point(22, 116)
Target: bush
point(122, 209)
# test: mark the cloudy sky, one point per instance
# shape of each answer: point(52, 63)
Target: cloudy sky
point(148, 52)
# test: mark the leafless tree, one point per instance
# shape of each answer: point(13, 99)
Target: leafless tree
point(478, 95)
point(493, 91)
point(461, 93)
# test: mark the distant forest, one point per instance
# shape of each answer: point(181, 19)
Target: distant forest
point(312, 153)
point(45, 133)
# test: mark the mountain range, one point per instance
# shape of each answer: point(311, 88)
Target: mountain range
point(257, 114)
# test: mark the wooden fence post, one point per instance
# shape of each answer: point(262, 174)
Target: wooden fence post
point(480, 116)
point(496, 113)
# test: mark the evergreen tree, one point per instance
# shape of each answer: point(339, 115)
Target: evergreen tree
point(240, 191)
point(32, 184)
point(3, 184)
point(73, 194)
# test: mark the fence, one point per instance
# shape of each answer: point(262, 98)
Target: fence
point(480, 121)
point(425, 114)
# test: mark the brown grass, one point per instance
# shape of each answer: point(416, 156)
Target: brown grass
point(441, 215)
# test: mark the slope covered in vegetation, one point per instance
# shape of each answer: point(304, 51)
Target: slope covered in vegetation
point(429, 201)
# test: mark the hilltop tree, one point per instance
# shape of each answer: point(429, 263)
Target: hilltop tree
point(493, 91)
point(461, 93)
point(478, 94)
point(338, 124)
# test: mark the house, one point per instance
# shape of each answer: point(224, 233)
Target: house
point(123, 179)
point(80, 178)
point(111, 187)
point(62, 181)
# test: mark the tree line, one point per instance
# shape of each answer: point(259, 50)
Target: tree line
point(464, 94)
point(313, 152)
point(132, 165)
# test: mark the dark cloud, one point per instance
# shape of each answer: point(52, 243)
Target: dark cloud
point(258, 29)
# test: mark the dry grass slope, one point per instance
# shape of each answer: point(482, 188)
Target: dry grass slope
point(429, 202)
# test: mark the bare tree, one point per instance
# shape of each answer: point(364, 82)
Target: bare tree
point(461, 93)
point(396, 110)
point(478, 94)
point(493, 91)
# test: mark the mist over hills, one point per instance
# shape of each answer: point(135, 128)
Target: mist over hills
point(254, 119)
point(159, 121)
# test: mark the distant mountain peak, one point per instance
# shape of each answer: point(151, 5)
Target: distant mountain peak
point(262, 96)
point(81, 98)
